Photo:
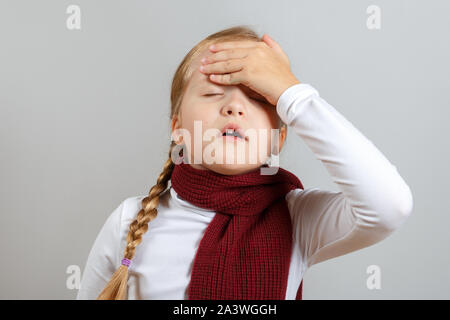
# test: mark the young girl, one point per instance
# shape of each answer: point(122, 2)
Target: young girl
point(227, 231)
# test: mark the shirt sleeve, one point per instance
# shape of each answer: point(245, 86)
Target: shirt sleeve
point(103, 259)
point(373, 199)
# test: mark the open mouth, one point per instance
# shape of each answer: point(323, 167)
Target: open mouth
point(232, 133)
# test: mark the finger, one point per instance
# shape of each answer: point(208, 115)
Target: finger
point(232, 44)
point(227, 66)
point(228, 78)
point(237, 53)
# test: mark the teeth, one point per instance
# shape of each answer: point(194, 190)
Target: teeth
point(230, 132)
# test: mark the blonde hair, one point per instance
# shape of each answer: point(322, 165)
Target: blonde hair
point(116, 288)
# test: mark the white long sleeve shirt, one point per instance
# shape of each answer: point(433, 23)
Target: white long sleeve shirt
point(372, 202)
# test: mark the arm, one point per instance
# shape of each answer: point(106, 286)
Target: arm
point(103, 259)
point(373, 199)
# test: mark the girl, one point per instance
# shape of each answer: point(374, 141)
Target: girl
point(227, 231)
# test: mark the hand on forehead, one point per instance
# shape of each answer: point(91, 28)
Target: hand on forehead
point(202, 77)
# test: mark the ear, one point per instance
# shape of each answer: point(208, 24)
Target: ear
point(176, 124)
point(282, 136)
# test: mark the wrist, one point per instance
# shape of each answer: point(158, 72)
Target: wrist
point(286, 85)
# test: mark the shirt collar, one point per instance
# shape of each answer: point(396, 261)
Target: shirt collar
point(175, 198)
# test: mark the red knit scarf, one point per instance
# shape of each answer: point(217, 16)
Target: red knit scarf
point(246, 249)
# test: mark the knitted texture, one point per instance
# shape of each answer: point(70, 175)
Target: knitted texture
point(246, 249)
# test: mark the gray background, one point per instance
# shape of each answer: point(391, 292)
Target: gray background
point(84, 124)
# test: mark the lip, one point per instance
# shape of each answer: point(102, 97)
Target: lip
point(235, 127)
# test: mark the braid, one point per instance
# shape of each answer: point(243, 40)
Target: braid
point(149, 210)
point(116, 289)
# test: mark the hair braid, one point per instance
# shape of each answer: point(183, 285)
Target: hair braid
point(116, 289)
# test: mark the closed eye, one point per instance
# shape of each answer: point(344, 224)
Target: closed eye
point(212, 94)
point(253, 98)
point(259, 100)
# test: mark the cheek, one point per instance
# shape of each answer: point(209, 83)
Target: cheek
point(198, 120)
point(273, 116)
point(266, 121)
point(194, 111)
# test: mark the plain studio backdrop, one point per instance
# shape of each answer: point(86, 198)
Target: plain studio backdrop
point(84, 124)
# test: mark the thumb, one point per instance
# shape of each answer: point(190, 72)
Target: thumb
point(274, 45)
point(270, 42)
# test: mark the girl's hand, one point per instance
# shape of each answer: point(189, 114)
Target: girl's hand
point(262, 66)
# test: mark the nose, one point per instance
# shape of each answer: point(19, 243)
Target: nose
point(235, 106)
